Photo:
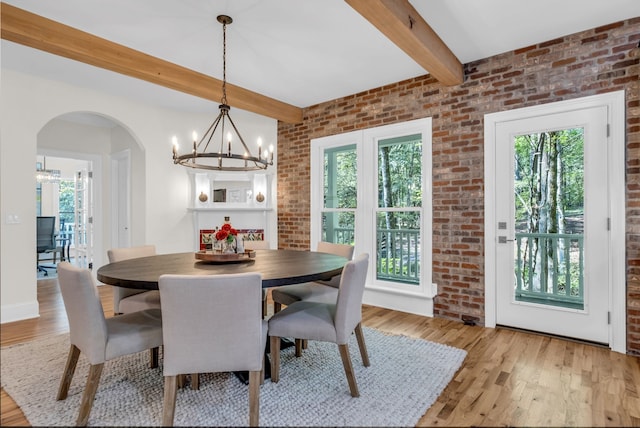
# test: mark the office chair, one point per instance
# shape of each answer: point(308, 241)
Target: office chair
point(45, 238)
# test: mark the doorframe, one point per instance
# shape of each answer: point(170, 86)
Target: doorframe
point(615, 103)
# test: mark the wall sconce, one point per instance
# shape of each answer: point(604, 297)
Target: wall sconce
point(202, 188)
point(260, 187)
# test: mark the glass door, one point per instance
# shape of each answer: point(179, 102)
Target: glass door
point(83, 231)
point(552, 209)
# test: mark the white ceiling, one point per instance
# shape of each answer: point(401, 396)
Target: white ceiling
point(302, 52)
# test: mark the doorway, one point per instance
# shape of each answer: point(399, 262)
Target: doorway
point(70, 199)
point(552, 192)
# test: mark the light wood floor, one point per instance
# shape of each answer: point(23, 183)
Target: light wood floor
point(508, 378)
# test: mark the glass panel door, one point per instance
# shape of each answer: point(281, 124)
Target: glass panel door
point(552, 204)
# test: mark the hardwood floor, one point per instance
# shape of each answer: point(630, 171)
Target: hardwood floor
point(509, 378)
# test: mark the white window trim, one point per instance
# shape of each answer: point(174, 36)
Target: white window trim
point(412, 299)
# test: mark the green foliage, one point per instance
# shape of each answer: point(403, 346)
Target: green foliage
point(400, 172)
point(340, 177)
point(531, 152)
point(66, 201)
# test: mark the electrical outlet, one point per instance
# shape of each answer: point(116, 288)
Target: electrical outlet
point(13, 219)
point(434, 289)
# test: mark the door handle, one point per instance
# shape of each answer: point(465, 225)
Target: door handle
point(504, 240)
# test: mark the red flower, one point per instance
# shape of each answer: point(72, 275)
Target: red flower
point(221, 235)
point(226, 232)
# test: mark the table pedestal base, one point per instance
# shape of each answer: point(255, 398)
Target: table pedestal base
point(243, 376)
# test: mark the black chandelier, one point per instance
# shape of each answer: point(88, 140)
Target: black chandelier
point(223, 159)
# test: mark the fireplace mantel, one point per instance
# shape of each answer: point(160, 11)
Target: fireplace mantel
point(233, 195)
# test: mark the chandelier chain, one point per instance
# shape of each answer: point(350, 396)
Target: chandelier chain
point(224, 63)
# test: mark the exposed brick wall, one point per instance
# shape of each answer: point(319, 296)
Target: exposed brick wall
point(596, 61)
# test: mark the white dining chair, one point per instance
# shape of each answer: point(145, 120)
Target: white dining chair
point(98, 338)
point(259, 245)
point(126, 300)
point(212, 323)
point(316, 291)
point(327, 322)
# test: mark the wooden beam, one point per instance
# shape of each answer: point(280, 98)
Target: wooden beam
point(403, 25)
point(28, 29)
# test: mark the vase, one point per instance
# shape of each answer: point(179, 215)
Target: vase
point(228, 247)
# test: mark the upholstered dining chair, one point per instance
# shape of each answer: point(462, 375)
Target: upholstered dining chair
point(259, 245)
point(126, 300)
point(98, 338)
point(212, 323)
point(327, 322)
point(317, 291)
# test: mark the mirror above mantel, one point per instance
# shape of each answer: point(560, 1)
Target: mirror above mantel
point(230, 191)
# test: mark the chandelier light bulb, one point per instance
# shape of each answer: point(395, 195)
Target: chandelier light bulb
point(175, 146)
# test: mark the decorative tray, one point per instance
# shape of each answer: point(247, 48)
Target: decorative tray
point(218, 257)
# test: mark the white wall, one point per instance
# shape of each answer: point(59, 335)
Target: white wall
point(27, 104)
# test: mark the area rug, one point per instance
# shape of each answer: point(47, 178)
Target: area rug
point(405, 378)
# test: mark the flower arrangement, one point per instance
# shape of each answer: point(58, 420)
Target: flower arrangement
point(226, 233)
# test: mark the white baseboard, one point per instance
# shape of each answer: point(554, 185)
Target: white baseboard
point(11, 313)
point(410, 303)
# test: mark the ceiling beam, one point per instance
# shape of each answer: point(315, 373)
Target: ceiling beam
point(28, 29)
point(403, 25)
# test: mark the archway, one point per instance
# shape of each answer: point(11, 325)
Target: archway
point(95, 140)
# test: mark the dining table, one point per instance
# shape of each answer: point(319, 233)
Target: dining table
point(277, 267)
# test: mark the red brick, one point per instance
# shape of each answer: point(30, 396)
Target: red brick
point(594, 61)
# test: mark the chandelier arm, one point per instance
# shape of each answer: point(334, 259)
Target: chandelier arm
point(240, 137)
point(211, 131)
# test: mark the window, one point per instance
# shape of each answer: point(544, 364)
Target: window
point(399, 209)
point(340, 195)
point(372, 189)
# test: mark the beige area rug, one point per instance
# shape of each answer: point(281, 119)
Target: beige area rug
point(405, 378)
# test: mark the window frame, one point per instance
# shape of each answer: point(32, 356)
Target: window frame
point(366, 142)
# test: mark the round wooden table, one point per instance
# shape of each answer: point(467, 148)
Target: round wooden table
point(278, 267)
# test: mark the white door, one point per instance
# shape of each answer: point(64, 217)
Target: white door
point(120, 197)
point(552, 212)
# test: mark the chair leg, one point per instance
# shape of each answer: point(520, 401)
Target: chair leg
point(254, 398)
point(69, 370)
point(305, 343)
point(277, 307)
point(153, 357)
point(89, 394)
point(264, 306)
point(362, 345)
point(274, 346)
point(348, 369)
point(169, 401)
point(195, 381)
point(298, 343)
